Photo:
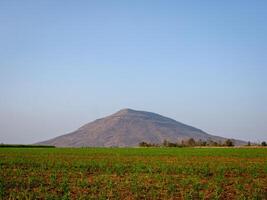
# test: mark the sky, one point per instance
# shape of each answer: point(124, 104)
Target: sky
point(66, 63)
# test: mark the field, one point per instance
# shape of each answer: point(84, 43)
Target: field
point(133, 173)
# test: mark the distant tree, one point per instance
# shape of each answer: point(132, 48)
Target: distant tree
point(204, 143)
point(229, 143)
point(249, 144)
point(165, 143)
point(209, 142)
point(264, 144)
point(215, 144)
point(212, 143)
point(145, 144)
point(142, 144)
point(201, 143)
point(170, 144)
point(191, 142)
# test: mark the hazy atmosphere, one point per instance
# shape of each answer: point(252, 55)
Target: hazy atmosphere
point(66, 63)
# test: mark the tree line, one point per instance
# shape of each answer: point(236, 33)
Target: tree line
point(191, 142)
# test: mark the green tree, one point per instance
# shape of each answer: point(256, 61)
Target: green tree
point(229, 143)
point(191, 142)
point(143, 144)
point(165, 143)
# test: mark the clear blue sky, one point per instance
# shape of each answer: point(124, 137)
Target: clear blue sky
point(65, 63)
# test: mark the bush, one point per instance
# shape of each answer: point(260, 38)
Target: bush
point(191, 142)
point(146, 144)
point(229, 143)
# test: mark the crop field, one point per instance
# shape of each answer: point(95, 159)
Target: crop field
point(133, 173)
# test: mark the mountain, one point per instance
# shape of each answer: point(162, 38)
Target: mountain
point(128, 128)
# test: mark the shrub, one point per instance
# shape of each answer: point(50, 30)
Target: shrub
point(229, 143)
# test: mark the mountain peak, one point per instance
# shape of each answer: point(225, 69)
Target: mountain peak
point(125, 111)
point(129, 112)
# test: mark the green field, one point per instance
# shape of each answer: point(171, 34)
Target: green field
point(133, 173)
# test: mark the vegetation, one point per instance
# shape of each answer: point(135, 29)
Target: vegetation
point(189, 143)
point(229, 143)
point(133, 173)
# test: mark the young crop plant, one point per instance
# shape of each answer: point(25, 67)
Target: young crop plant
point(2, 188)
point(65, 188)
point(53, 179)
point(218, 192)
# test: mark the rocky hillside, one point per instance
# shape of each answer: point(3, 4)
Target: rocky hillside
point(128, 128)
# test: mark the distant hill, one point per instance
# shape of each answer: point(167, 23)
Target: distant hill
point(130, 127)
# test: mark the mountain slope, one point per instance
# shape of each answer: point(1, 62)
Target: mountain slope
point(128, 128)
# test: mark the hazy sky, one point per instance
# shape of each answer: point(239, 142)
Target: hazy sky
point(66, 63)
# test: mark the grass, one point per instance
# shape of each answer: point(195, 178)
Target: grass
point(133, 173)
